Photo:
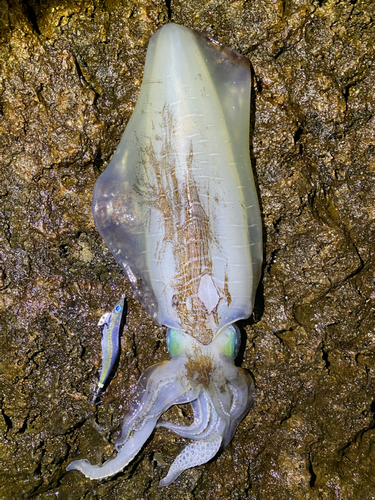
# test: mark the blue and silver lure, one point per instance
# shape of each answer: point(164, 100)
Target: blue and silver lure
point(112, 324)
point(177, 206)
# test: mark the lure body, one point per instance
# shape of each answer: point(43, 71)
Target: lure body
point(112, 324)
point(178, 208)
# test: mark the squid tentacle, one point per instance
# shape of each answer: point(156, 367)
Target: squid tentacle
point(139, 423)
point(196, 453)
point(116, 464)
point(202, 413)
point(156, 391)
point(213, 425)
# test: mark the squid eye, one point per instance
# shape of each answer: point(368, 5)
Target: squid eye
point(118, 308)
point(177, 342)
point(229, 341)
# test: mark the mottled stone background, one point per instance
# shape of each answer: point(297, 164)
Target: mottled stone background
point(70, 75)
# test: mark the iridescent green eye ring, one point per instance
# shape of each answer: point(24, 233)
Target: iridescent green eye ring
point(230, 341)
point(176, 342)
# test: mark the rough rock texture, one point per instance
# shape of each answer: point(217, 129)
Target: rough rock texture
point(69, 79)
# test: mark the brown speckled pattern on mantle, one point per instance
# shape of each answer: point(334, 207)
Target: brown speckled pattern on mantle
point(70, 74)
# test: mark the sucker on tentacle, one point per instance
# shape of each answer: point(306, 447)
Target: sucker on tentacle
point(177, 207)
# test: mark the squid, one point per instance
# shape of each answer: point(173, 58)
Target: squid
point(178, 208)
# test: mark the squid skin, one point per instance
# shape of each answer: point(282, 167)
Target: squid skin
point(177, 207)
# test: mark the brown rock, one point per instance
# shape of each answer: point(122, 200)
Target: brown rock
point(70, 75)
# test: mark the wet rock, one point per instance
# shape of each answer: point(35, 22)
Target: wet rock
point(70, 75)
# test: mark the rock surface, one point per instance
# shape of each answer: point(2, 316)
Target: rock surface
point(69, 79)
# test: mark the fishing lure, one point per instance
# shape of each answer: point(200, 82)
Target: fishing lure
point(177, 207)
point(112, 324)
